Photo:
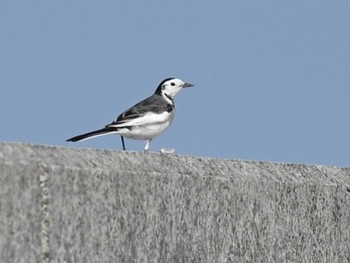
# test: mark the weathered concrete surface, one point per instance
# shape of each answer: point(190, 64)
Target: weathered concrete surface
point(83, 205)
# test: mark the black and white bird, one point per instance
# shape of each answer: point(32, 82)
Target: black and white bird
point(146, 119)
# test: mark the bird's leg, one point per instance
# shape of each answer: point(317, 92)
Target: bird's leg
point(123, 143)
point(148, 144)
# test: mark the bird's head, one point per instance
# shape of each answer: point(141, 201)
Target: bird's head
point(169, 87)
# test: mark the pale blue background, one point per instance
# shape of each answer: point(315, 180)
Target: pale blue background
point(272, 77)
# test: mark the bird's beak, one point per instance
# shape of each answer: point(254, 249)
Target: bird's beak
point(187, 85)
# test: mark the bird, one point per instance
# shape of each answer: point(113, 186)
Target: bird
point(146, 119)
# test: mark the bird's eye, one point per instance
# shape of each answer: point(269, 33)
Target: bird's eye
point(172, 84)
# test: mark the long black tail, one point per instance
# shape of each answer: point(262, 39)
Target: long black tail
point(92, 134)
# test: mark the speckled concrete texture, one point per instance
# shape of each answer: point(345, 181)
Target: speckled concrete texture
point(83, 205)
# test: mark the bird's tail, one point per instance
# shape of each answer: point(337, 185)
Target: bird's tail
point(92, 134)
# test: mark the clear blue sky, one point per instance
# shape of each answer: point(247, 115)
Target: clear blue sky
point(272, 77)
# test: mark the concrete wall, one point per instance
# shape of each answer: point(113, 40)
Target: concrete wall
point(83, 205)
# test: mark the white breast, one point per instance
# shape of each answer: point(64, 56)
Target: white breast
point(146, 127)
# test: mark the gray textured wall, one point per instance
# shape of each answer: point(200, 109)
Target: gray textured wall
point(83, 205)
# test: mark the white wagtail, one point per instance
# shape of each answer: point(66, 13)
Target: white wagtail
point(146, 119)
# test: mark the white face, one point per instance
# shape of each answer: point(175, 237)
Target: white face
point(172, 87)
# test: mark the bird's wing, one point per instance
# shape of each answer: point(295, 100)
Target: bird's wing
point(145, 112)
point(127, 118)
